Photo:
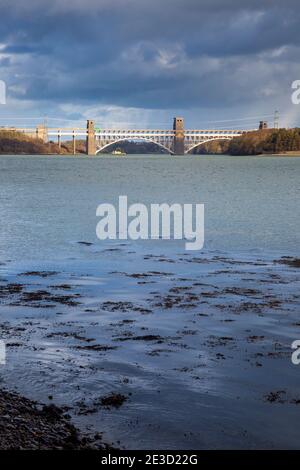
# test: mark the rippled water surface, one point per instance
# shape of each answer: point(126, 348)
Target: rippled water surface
point(197, 342)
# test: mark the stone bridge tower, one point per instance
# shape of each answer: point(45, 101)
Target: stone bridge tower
point(90, 138)
point(42, 133)
point(178, 127)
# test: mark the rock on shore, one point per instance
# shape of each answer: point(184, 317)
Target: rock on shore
point(25, 424)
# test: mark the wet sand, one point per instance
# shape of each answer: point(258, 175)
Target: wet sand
point(172, 351)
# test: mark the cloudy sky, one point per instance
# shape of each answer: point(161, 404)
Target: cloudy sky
point(140, 62)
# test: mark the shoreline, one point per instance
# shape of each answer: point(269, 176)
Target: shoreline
point(114, 360)
point(284, 154)
point(28, 425)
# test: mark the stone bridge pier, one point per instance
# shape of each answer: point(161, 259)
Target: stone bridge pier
point(90, 138)
point(178, 128)
point(176, 141)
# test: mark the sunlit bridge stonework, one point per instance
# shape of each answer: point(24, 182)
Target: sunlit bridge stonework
point(176, 141)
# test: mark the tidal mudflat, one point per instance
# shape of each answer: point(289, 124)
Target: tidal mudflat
point(189, 352)
point(143, 343)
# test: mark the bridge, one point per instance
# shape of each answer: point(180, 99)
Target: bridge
point(176, 141)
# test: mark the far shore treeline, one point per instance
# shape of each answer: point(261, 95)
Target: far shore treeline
point(265, 141)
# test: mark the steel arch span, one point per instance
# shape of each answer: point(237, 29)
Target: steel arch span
point(99, 148)
point(176, 140)
point(188, 150)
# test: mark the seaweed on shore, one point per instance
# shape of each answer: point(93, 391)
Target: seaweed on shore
point(27, 425)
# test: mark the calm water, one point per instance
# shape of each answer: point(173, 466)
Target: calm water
point(197, 341)
point(48, 203)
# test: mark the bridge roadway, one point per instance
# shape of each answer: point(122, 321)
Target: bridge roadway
point(175, 141)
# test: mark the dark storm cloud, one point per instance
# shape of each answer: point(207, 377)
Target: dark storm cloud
point(149, 54)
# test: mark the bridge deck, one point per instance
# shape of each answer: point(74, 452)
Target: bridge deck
point(98, 139)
